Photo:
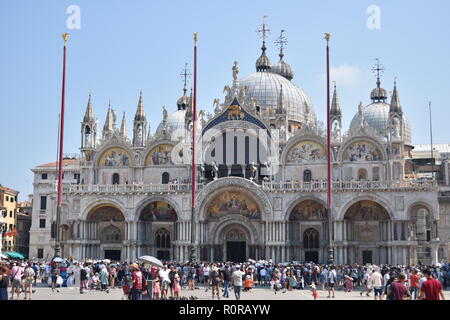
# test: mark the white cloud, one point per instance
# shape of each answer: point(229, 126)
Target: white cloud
point(346, 76)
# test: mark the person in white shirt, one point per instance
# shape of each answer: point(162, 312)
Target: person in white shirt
point(165, 281)
point(236, 279)
point(376, 280)
point(206, 271)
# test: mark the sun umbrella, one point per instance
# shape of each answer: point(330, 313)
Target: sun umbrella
point(58, 259)
point(2, 256)
point(151, 260)
point(107, 261)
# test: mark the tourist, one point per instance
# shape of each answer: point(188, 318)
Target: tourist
point(348, 283)
point(165, 281)
point(431, 289)
point(314, 291)
point(29, 275)
point(136, 278)
point(397, 289)
point(226, 277)
point(176, 286)
point(331, 280)
point(16, 277)
point(206, 270)
point(376, 281)
point(237, 282)
point(156, 289)
point(4, 282)
point(414, 284)
point(104, 278)
point(215, 281)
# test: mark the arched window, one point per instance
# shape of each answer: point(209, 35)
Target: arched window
point(111, 234)
point(311, 239)
point(87, 130)
point(165, 178)
point(115, 178)
point(307, 176)
point(162, 239)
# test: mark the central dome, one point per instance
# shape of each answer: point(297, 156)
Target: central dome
point(266, 86)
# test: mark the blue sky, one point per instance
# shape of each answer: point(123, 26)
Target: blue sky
point(123, 46)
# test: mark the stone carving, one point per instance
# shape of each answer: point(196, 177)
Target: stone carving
point(362, 151)
point(235, 71)
point(395, 128)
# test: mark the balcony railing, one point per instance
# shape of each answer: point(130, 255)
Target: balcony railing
point(127, 188)
point(345, 186)
point(271, 186)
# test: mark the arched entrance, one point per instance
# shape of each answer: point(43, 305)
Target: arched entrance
point(105, 225)
point(367, 229)
point(307, 231)
point(156, 229)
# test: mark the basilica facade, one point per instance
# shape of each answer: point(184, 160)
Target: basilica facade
point(261, 182)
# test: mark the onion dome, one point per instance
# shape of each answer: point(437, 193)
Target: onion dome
point(265, 87)
point(184, 102)
point(282, 68)
point(175, 121)
point(376, 115)
point(263, 62)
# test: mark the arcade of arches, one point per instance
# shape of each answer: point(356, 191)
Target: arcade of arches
point(233, 230)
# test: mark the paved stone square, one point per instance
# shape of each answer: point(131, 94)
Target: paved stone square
point(45, 293)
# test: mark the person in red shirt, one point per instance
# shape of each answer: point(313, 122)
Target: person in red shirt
point(414, 286)
point(136, 277)
point(397, 289)
point(432, 288)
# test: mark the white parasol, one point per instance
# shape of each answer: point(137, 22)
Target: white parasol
point(150, 260)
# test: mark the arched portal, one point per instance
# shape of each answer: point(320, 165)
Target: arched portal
point(307, 231)
point(367, 226)
point(105, 225)
point(156, 228)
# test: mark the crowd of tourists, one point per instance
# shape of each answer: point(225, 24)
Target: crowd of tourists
point(385, 282)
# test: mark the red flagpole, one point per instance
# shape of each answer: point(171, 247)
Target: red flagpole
point(194, 175)
point(61, 144)
point(329, 167)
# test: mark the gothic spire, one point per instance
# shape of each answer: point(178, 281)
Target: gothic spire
point(395, 106)
point(123, 127)
point(335, 105)
point(89, 114)
point(109, 126)
point(280, 102)
point(140, 113)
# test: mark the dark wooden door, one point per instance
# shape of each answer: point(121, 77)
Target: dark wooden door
point(236, 251)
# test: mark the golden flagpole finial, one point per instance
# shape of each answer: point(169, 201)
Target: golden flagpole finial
point(195, 37)
point(327, 36)
point(65, 36)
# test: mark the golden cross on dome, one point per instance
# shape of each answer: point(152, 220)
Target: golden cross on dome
point(378, 69)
